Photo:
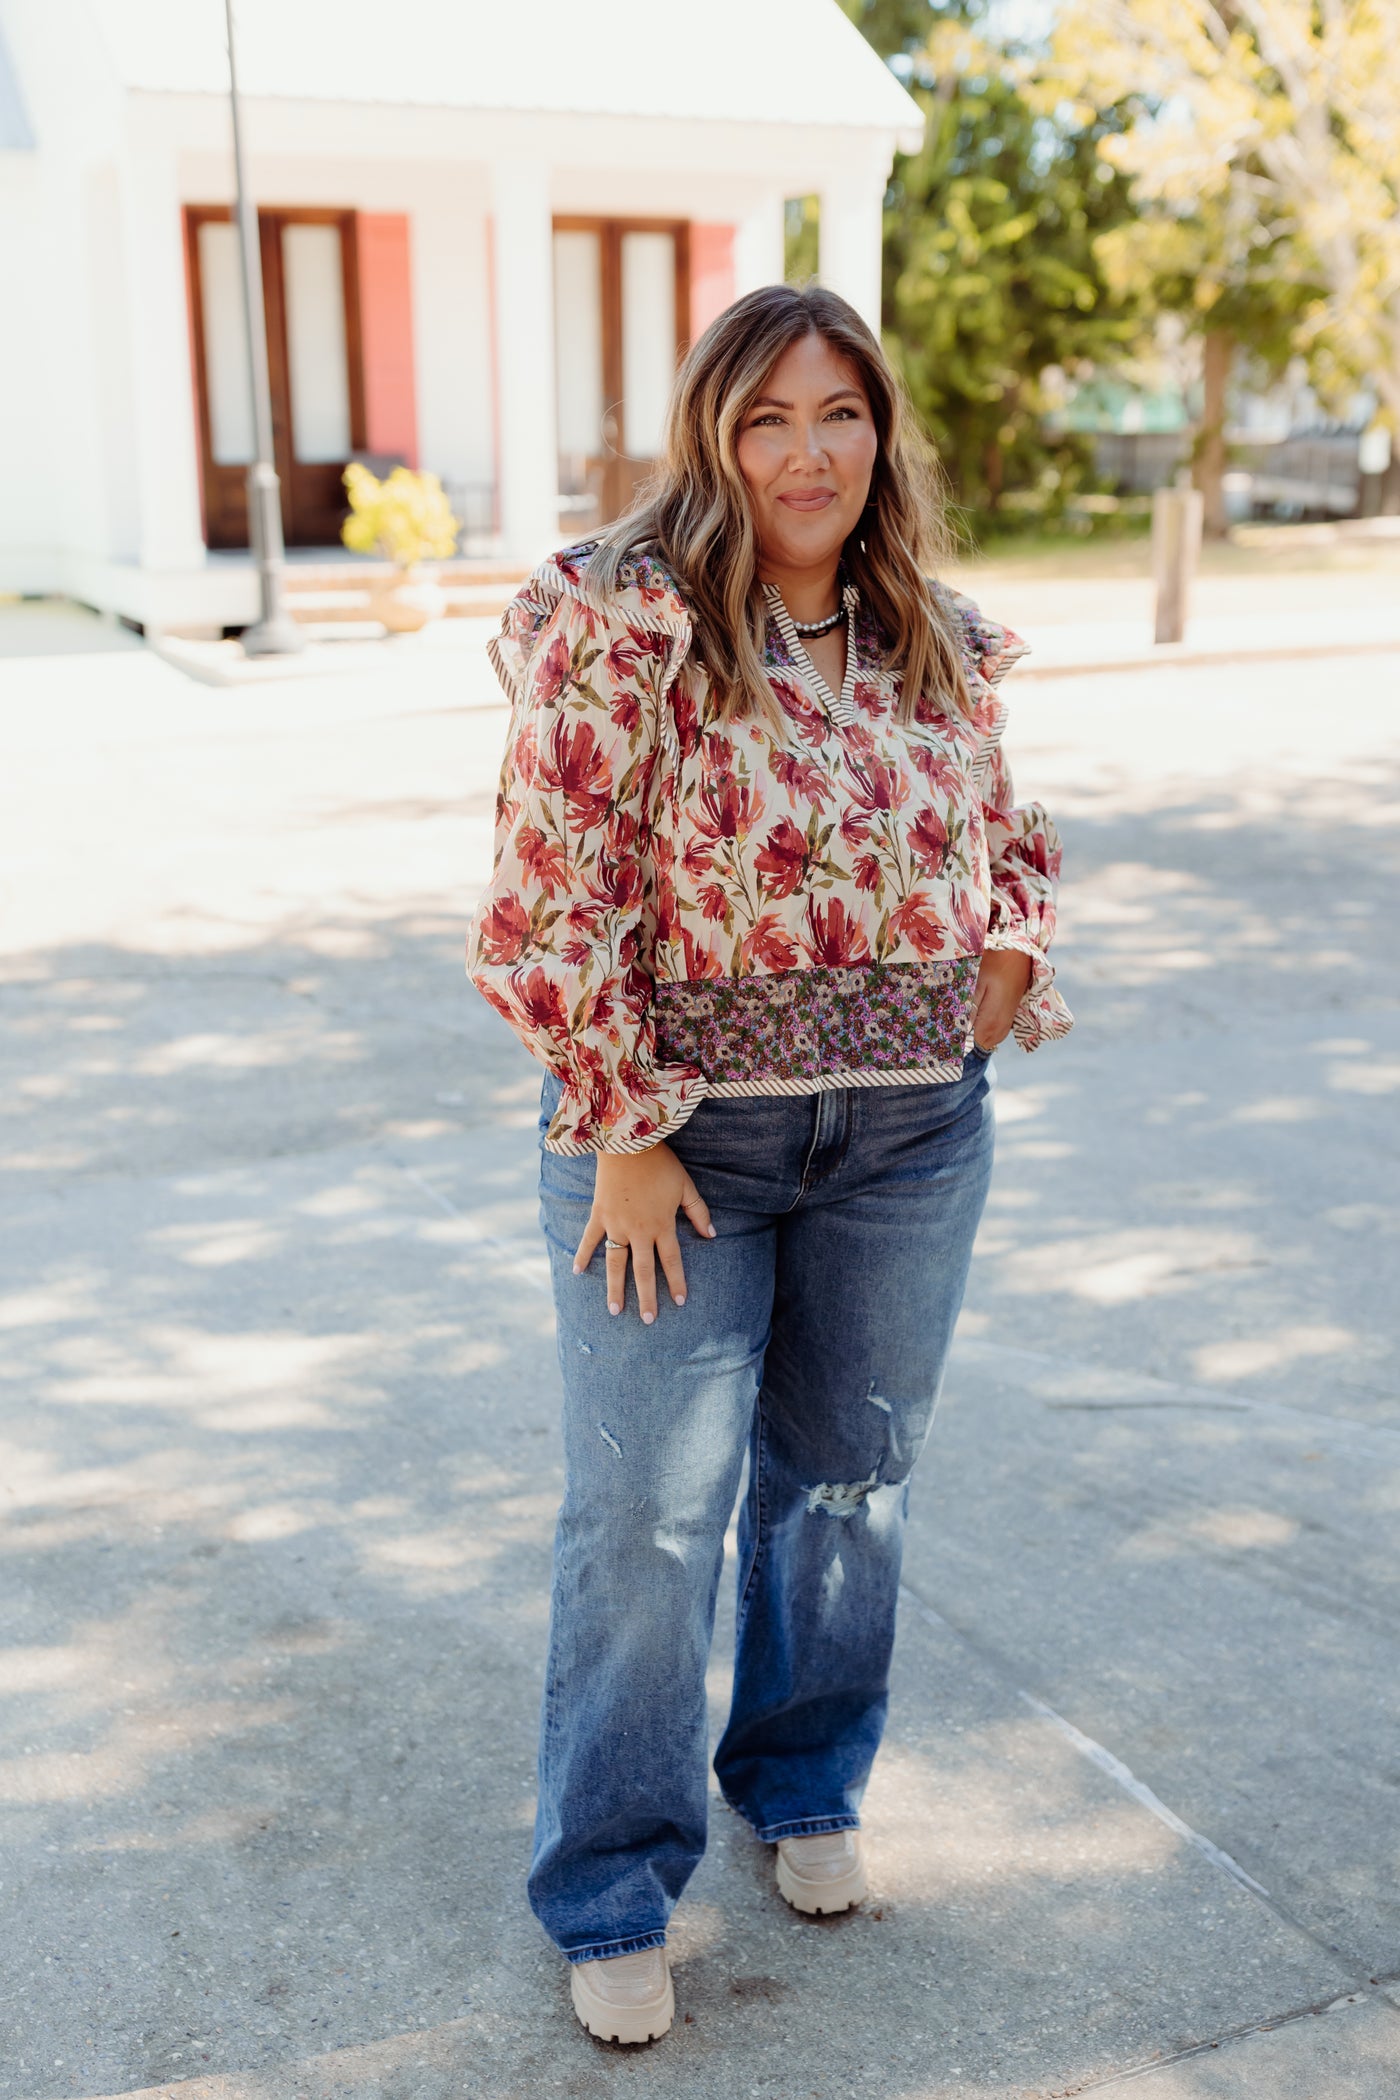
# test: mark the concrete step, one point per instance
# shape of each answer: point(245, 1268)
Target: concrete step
point(343, 591)
point(335, 575)
point(474, 603)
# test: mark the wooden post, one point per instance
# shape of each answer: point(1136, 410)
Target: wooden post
point(1176, 543)
point(1217, 355)
point(1373, 455)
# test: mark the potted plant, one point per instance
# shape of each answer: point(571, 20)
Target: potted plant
point(406, 519)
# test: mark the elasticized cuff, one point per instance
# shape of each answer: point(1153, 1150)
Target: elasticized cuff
point(577, 1127)
point(1042, 1016)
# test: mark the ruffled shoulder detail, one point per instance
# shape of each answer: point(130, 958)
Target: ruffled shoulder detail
point(645, 590)
point(989, 649)
point(988, 652)
point(645, 600)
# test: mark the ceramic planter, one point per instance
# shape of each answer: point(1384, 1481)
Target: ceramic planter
point(406, 601)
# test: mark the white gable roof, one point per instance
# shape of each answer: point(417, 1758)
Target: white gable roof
point(755, 61)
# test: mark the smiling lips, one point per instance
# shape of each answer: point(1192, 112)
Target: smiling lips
point(807, 499)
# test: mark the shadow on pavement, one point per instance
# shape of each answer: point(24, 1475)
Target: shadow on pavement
point(281, 1476)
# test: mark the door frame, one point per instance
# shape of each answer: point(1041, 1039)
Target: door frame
point(304, 485)
point(619, 471)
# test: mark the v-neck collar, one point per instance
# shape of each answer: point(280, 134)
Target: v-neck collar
point(840, 707)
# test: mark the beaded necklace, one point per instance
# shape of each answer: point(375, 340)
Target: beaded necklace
point(821, 626)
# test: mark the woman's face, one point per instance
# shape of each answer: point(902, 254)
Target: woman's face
point(807, 451)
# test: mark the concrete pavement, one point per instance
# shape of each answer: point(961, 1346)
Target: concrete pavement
point(279, 1466)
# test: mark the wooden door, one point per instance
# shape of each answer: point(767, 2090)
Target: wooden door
point(315, 367)
point(621, 303)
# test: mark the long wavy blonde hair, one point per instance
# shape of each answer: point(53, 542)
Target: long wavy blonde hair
point(694, 512)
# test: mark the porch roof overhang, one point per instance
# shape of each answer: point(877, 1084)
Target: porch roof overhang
point(777, 63)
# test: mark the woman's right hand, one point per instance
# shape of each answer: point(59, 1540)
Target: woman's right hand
point(635, 1200)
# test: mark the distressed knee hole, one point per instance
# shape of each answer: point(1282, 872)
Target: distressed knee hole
point(609, 1439)
point(840, 1498)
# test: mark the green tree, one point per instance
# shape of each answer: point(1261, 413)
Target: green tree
point(1272, 116)
point(801, 225)
point(897, 28)
point(1235, 277)
point(992, 273)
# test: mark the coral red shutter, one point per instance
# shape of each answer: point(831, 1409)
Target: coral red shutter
point(386, 334)
point(711, 274)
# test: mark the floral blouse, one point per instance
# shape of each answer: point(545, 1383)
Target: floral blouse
point(683, 906)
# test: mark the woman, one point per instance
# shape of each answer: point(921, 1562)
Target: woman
point(764, 908)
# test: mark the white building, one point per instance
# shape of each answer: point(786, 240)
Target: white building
point(486, 232)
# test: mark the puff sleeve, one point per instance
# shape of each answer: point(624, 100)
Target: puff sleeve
point(561, 940)
point(1023, 849)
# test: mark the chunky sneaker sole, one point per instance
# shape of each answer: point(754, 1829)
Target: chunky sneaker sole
point(822, 1875)
point(627, 1999)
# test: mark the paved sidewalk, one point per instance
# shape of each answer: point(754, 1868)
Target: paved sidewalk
point(279, 1461)
point(1073, 622)
point(1105, 622)
point(447, 667)
point(1070, 648)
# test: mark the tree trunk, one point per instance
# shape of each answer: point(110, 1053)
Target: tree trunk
point(1208, 467)
point(1384, 493)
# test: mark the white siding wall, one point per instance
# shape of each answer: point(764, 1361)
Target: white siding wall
point(30, 506)
point(54, 210)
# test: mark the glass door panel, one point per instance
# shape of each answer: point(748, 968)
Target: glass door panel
point(317, 373)
point(620, 292)
point(226, 345)
point(313, 351)
point(648, 339)
point(578, 367)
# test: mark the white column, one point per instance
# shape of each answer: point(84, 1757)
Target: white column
point(528, 463)
point(850, 235)
point(164, 437)
point(758, 246)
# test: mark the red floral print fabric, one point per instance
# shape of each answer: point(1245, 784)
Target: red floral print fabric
point(643, 843)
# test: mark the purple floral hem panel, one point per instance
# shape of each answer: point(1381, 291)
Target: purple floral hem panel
point(803, 1025)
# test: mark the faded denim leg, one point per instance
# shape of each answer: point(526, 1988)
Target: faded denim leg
point(656, 1421)
point(871, 1266)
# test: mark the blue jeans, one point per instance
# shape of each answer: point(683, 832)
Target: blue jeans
point(813, 1337)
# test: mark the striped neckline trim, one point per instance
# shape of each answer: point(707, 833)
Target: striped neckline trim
point(840, 706)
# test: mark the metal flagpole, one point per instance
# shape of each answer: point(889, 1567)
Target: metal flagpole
point(275, 633)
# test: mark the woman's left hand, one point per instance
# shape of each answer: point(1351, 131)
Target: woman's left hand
point(1003, 978)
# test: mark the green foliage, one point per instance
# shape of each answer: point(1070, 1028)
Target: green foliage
point(991, 269)
point(801, 222)
point(1263, 143)
point(896, 26)
point(1219, 267)
point(406, 517)
point(1237, 165)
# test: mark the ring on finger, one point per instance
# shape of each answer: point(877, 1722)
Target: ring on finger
point(616, 1246)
